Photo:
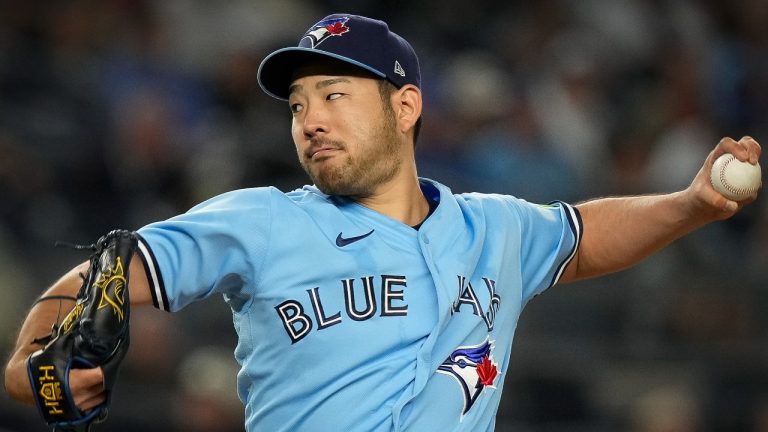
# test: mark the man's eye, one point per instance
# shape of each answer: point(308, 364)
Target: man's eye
point(296, 108)
point(333, 96)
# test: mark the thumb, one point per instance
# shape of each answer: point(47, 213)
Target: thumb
point(84, 379)
point(87, 387)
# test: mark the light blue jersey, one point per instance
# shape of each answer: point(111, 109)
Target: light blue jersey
point(349, 320)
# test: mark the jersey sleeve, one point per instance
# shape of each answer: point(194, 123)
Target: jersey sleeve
point(213, 248)
point(550, 236)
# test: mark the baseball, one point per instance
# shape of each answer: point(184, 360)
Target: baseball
point(735, 179)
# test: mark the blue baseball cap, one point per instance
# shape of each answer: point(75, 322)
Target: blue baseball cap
point(354, 39)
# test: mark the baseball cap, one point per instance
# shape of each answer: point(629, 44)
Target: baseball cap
point(354, 39)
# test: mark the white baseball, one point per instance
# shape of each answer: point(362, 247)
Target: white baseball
point(735, 179)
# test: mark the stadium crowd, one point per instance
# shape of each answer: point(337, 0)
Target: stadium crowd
point(116, 113)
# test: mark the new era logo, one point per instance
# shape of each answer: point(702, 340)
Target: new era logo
point(399, 69)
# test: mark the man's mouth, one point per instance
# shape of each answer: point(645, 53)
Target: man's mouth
point(321, 152)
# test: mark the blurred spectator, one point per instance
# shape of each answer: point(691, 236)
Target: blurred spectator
point(667, 409)
point(207, 399)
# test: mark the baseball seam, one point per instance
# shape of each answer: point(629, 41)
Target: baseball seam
point(729, 187)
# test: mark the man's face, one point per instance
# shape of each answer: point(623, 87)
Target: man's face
point(345, 135)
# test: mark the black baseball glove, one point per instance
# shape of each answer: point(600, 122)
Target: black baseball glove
point(95, 333)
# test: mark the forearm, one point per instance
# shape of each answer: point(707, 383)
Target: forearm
point(620, 232)
point(38, 323)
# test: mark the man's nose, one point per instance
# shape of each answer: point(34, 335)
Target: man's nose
point(315, 121)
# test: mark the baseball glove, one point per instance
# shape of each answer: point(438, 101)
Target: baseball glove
point(94, 333)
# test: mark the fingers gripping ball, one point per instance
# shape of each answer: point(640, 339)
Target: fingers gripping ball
point(95, 333)
point(734, 179)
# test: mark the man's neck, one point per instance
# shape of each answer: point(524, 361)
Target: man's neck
point(401, 200)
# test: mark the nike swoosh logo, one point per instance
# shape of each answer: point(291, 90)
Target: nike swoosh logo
point(341, 241)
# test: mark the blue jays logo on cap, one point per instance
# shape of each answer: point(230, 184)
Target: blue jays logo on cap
point(325, 29)
point(474, 370)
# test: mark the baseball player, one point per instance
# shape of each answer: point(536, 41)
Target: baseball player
point(373, 299)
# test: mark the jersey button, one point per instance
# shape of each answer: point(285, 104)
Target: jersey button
point(425, 239)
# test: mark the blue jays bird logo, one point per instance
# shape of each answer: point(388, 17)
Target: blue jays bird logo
point(325, 29)
point(473, 368)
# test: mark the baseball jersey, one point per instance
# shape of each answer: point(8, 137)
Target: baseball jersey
point(350, 320)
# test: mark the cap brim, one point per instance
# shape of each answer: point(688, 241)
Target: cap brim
point(276, 70)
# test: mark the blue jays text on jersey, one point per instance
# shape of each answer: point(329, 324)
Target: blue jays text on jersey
point(404, 325)
point(298, 323)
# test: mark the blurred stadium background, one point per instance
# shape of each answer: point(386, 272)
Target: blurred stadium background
point(116, 113)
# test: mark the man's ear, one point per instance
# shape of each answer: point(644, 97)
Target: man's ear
point(407, 105)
